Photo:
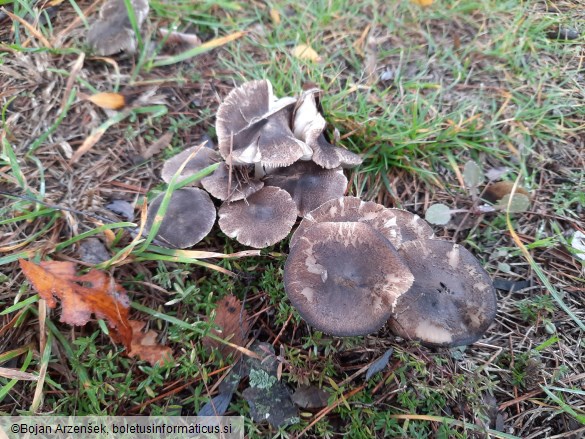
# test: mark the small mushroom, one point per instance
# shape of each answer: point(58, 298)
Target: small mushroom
point(262, 219)
point(112, 32)
point(189, 217)
point(352, 209)
point(253, 127)
point(239, 186)
point(452, 301)
point(203, 158)
point(309, 184)
point(344, 278)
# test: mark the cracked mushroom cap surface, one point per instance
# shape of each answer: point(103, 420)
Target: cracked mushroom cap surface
point(452, 301)
point(203, 158)
point(189, 217)
point(344, 278)
point(308, 184)
point(240, 186)
point(262, 219)
point(253, 126)
point(352, 209)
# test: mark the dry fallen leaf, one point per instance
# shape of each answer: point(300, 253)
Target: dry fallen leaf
point(157, 146)
point(498, 190)
point(145, 347)
point(182, 40)
point(233, 325)
point(81, 296)
point(109, 101)
point(274, 16)
point(305, 52)
point(423, 2)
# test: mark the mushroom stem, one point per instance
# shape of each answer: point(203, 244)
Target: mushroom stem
point(259, 171)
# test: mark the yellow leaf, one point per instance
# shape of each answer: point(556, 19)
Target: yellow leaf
point(422, 2)
point(305, 52)
point(110, 101)
point(274, 16)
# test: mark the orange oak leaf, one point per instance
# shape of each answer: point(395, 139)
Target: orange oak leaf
point(144, 345)
point(233, 325)
point(81, 296)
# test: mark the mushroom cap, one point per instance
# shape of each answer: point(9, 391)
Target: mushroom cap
point(277, 145)
point(202, 159)
point(253, 126)
point(352, 209)
point(307, 120)
point(412, 226)
point(309, 184)
point(218, 184)
point(240, 116)
point(452, 301)
point(262, 219)
point(112, 32)
point(344, 278)
point(329, 156)
point(189, 217)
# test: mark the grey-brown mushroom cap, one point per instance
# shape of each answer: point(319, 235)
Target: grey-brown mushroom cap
point(240, 116)
point(240, 186)
point(330, 156)
point(277, 146)
point(412, 227)
point(112, 32)
point(203, 158)
point(262, 219)
point(452, 301)
point(344, 278)
point(352, 209)
point(189, 217)
point(309, 184)
point(254, 127)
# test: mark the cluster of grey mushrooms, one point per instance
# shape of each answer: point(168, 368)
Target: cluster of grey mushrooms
point(353, 265)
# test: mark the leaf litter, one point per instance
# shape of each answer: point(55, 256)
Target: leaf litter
point(93, 293)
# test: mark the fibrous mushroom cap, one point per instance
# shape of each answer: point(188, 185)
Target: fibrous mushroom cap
point(240, 116)
point(189, 217)
point(239, 187)
point(344, 278)
point(203, 158)
point(309, 184)
point(352, 209)
point(277, 145)
point(329, 156)
point(262, 219)
point(112, 32)
point(412, 227)
point(254, 127)
point(452, 301)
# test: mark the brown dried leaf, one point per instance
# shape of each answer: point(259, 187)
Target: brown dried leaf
point(423, 2)
point(233, 324)
point(157, 146)
point(109, 101)
point(496, 191)
point(144, 345)
point(184, 40)
point(81, 296)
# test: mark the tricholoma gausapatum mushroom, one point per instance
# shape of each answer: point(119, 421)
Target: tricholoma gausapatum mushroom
point(335, 277)
point(353, 265)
